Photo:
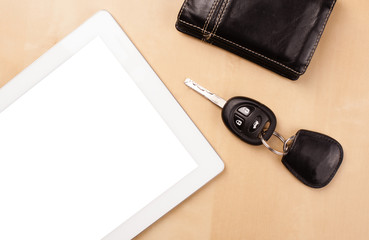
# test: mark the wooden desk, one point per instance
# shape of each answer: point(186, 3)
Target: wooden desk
point(255, 197)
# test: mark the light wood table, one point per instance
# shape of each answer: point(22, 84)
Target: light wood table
point(255, 197)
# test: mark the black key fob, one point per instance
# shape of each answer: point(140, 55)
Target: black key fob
point(248, 118)
point(313, 158)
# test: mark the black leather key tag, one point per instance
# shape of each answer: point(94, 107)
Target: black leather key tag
point(313, 158)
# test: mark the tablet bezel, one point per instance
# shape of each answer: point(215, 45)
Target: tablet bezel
point(102, 24)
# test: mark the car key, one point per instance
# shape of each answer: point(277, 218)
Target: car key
point(247, 118)
point(311, 157)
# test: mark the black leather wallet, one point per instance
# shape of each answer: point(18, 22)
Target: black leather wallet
point(280, 35)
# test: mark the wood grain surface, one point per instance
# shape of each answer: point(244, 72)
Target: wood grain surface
point(255, 197)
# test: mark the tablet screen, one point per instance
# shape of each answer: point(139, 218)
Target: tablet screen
point(83, 151)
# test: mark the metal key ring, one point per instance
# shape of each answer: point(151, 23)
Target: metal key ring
point(270, 148)
point(286, 146)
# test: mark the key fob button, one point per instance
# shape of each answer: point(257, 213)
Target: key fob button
point(238, 122)
point(244, 111)
point(256, 124)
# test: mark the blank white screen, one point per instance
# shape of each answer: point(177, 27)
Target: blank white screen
point(83, 151)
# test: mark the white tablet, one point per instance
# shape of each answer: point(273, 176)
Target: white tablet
point(92, 144)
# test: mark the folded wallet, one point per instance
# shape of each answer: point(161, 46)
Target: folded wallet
point(280, 35)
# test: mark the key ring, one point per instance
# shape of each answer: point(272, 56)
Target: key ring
point(285, 144)
point(280, 138)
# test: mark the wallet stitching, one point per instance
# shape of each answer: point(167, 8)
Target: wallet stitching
point(244, 48)
point(183, 7)
point(221, 18)
point(318, 37)
point(210, 15)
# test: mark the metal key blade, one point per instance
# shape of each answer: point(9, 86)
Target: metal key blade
point(220, 102)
